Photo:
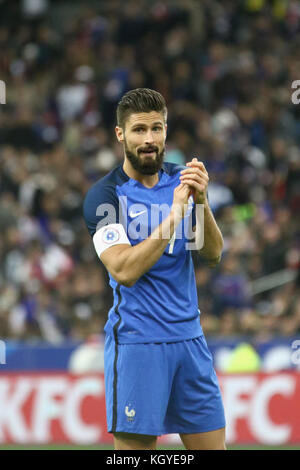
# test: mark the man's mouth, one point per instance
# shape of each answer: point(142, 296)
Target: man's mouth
point(148, 151)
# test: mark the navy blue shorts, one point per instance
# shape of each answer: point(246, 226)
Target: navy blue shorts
point(161, 388)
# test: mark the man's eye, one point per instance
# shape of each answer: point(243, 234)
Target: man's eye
point(157, 128)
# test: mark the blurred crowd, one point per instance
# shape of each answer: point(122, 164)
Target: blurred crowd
point(226, 70)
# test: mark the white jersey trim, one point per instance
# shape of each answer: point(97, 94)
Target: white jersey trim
point(109, 235)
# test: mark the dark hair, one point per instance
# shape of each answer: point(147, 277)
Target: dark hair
point(140, 100)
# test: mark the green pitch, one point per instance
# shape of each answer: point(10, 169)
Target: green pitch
point(103, 447)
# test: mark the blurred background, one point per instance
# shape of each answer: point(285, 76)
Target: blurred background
point(226, 70)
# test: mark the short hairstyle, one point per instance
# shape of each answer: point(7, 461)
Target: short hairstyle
point(140, 100)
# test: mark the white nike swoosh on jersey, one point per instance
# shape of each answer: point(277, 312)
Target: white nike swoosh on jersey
point(135, 214)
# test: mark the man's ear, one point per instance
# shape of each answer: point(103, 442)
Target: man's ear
point(119, 133)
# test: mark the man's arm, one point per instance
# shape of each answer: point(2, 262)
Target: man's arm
point(127, 264)
point(213, 240)
point(197, 178)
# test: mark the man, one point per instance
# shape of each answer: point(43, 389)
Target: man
point(159, 377)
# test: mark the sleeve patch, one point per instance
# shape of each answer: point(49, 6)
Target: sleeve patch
point(110, 235)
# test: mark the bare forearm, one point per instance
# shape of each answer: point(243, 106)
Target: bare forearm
point(212, 237)
point(137, 260)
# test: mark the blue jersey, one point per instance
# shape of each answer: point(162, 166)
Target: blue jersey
point(162, 306)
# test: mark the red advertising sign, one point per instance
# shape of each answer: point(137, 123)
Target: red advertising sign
point(262, 408)
point(66, 408)
point(60, 407)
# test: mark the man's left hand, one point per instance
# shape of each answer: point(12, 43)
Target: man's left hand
point(197, 178)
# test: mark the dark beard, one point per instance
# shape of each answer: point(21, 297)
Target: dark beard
point(148, 166)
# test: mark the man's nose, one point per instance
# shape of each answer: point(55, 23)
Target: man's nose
point(149, 137)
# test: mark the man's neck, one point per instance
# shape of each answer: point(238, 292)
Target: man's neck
point(146, 180)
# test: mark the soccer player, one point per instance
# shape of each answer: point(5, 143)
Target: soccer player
point(159, 375)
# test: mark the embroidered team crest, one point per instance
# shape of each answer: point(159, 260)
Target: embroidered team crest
point(130, 413)
point(110, 235)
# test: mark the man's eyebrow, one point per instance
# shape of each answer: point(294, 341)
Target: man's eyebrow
point(142, 124)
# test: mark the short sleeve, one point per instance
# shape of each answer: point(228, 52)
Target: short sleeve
point(100, 207)
point(102, 217)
